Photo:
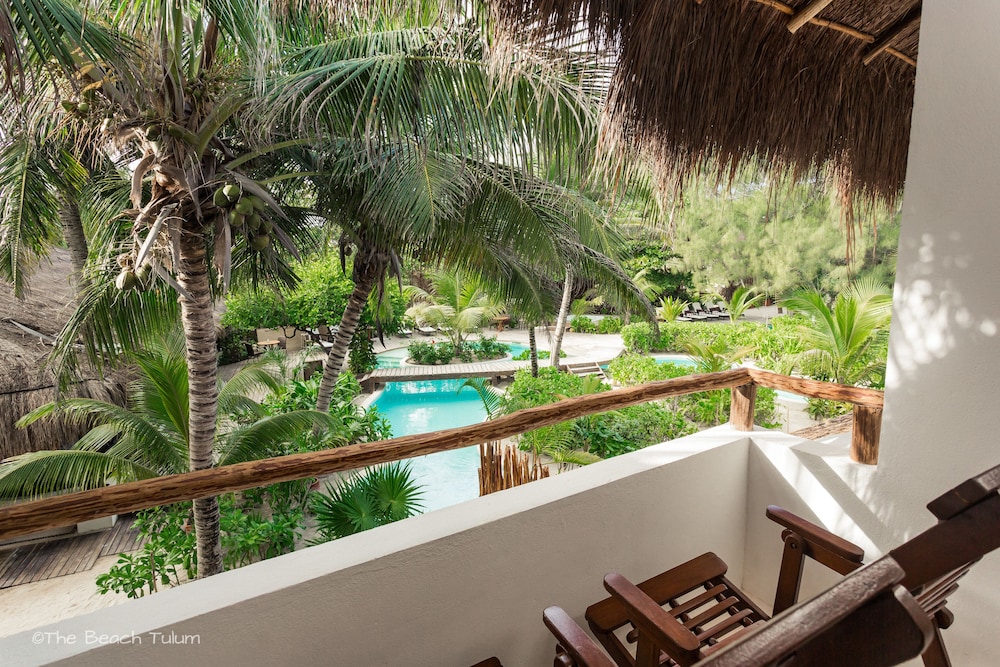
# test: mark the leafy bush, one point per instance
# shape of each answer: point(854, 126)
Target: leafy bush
point(319, 298)
point(488, 348)
point(708, 408)
point(602, 435)
point(639, 339)
point(771, 343)
point(234, 345)
point(361, 358)
point(583, 324)
point(632, 428)
point(542, 354)
point(255, 525)
point(362, 501)
point(357, 424)
point(609, 324)
point(820, 408)
point(444, 352)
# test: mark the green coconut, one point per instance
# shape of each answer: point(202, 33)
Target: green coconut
point(126, 280)
point(232, 192)
point(261, 241)
point(236, 219)
point(266, 226)
point(244, 206)
point(257, 202)
point(253, 221)
point(220, 199)
point(83, 108)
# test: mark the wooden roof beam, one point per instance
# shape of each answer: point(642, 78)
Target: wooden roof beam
point(805, 14)
point(885, 40)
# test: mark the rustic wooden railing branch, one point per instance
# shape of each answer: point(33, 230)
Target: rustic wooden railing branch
point(867, 403)
point(25, 518)
point(63, 510)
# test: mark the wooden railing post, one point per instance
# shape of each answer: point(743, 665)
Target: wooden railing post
point(742, 408)
point(865, 434)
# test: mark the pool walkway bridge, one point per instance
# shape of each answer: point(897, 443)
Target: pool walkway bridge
point(496, 370)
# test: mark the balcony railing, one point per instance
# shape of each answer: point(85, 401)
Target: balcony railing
point(62, 510)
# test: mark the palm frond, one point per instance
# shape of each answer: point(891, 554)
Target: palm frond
point(40, 473)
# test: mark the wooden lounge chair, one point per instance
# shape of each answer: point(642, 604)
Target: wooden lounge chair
point(426, 331)
point(883, 614)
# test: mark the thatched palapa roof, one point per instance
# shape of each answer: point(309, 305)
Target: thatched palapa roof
point(795, 84)
point(24, 382)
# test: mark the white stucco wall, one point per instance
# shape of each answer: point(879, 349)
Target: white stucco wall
point(944, 354)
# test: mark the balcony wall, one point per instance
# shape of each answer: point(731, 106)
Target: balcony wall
point(455, 586)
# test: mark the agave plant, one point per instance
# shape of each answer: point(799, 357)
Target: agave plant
point(362, 501)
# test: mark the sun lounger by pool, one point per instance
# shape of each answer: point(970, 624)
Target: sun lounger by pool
point(427, 331)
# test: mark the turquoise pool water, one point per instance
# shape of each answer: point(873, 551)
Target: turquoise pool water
point(449, 477)
point(395, 358)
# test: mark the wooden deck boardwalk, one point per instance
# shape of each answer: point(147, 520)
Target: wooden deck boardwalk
point(56, 558)
point(410, 373)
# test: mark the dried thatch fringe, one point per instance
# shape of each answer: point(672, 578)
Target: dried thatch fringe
point(503, 467)
point(717, 85)
point(23, 391)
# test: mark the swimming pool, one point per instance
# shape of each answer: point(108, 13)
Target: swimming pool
point(448, 477)
point(394, 358)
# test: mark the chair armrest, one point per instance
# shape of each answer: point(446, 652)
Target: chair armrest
point(651, 619)
point(574, 640)
point(816, 534)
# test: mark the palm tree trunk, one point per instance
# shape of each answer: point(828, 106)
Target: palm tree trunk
point(563, 315)
point(366, 274)
point(199, 336)
point(533, 350)
point(76, 241)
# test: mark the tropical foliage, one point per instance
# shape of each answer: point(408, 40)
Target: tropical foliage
point(150, 437)
point(458, 303)
point(841, 340)
point(361, 501)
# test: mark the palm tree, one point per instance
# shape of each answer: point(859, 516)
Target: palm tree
point(168, 97)
point(742, 300)
point(364, 500)
point(446, 166)
point(458, 302)
point(151, 436)
point(839, 339)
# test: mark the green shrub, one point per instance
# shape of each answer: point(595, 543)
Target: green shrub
point(707, 408)
point(235, 345)
point(361, 358)
point(376, 497)
point(485, 349)
point(610, 324)
point(632, 428)
point(820, 408)
point(771, 343)
point(638, 337)
point(583, 324)
point(319, 298)
point(542, 354)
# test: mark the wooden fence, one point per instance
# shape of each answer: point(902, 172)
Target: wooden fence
point(62, 510)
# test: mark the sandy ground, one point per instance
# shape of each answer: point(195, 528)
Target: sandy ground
point(31, 605)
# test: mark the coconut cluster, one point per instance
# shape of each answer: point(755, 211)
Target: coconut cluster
point(245, 214)
point(132, 278)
